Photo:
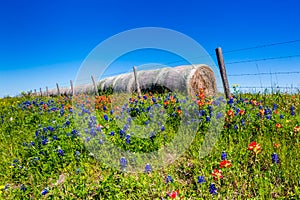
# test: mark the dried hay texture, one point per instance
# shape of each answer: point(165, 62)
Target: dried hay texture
point(187, 79)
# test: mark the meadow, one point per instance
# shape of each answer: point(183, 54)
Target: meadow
point(45, 155)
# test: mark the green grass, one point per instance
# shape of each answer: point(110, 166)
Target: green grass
point(76, 174)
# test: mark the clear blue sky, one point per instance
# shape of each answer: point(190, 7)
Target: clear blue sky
point(44, 42)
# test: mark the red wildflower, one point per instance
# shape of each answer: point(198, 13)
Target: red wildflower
point(230, 113)
point(217, 174)
point(278, 125)
point(253, 146)
point(276, 145)
point(297, 129)
point(225, 163)
point(173, 194)
point(242, 112)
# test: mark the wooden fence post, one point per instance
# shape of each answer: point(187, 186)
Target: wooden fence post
point(136, 81)
point(95, 86)
point(223, 71)
point(58, 92)
point(47, 91)
point(72, 89)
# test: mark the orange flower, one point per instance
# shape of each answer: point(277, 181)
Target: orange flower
point(253, 146)
point(217, 174)
point(254, 102)
point(262, 112)
point(276, 145)
point(242, 112)
point(278, 125)
point(230, 113)
point(200, 103)
point(225, 163)
point(297, 129)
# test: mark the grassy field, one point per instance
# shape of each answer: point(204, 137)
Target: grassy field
point(44, 155)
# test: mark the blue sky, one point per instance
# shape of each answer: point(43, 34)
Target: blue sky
point(44, 42)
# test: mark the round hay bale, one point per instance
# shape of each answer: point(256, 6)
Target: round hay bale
point(188, 79)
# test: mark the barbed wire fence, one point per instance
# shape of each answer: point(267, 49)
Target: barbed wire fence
point(258, 77)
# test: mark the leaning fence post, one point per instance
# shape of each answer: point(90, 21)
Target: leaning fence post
point(223, 71)
point(47, 91)
point(95, 86)
point(72, 89)
point(58, 92)
point(136, 81)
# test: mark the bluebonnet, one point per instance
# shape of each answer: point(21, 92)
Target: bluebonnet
point(275, 158)
point(123, 163)
point(44, 191)
point(122, 133)
point(112, 133)
point(16, 160)
point(45, 141)
point(105, 117)
point(127, 139)
point(243, 122)
point(77, 153)
point(67, 123)
point(281, 116)
point(219, 115)
point(77, 171)
point(104, 108)
point(207, 119)
point(268, 117)
point(60, 152)
point(112, 111)
point(231, 101)
point(148, 168)
point(292, 109)
point(50, 128)
point(145, 97)
point(169, 179)
point(274, 106)
point(213, 189)
point(152, 136)
point(223, 155)
point(162, 128)
point(201, 179)
point(32, 143)
point(55, 137)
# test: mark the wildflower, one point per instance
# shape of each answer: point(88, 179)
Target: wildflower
point(207, 119)
point(217, 174)
point(253, 146)
point(224, 155)
point(154, 100)
point(201, 179)
point(297, 129)
point(112, 133)
point(276, 145)
point(123, 163)
point(104, 108)
point(169, 179)
point(173, 194)
point(60, 152)
point(242, 112)
point(122, 133)
point(127, 139)
point(148, 168)
point(225, 163)
point(105, 117)
point(275, 158)
point(45, 141)
point(278, 126)
point(44, 191)
point(219, 115)
point(230, 113)
point(213, 189)
point(292, 109)
point(162, 128)
point(77, 171)
point(281, 116)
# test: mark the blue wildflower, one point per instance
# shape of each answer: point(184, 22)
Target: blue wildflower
point(275, 158)
point(213, 189)
point(104, 108)
point(169, 179)
point(207, 119)
point(162, 128)
point(112, 133)
point(60, 152)
point(123, 163)
point(148, 168)
point(201, 179)
point(105, 117)
point(111, 112)
point(224, 155)
point(127, 139)
point(122, 133)
point(44, 191)
point(281, 116)
point(45, 141)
